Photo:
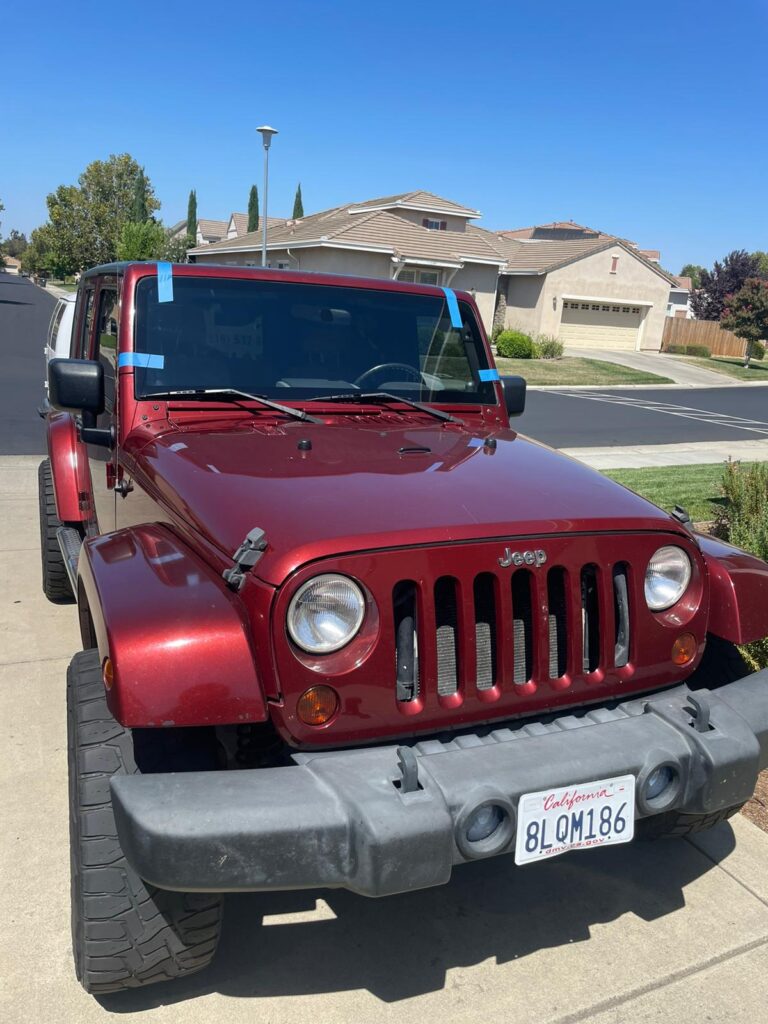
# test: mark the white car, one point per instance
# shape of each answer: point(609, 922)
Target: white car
point(60, 331)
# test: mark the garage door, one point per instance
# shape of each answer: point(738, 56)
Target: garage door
point(600, 325)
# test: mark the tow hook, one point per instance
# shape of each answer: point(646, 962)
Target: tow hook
point(700, 712)
point(409, 770)
point(246, 556)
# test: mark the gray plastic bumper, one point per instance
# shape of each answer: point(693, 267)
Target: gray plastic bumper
point(342, 819)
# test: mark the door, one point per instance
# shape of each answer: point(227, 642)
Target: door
point(614, 325)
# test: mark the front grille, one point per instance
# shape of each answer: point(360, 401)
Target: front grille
point(499, 632)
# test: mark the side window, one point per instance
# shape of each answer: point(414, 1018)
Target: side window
point(107, 343)
point(84, 340)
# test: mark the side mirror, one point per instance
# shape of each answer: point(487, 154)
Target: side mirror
point(514, 395)
point(77, 385)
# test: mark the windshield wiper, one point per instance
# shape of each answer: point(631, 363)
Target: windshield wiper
point(297, 414)
point(385, 397)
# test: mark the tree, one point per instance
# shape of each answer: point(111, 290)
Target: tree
point(747, 316)
point(725, 279)
point(192, 218)
point(694, 271)
point(139, 211)
point(762, 264)
point(15, 243)
point(253, 209)
point(87, 219)
point(40, 255)
point(174, 248)
point(141, 241)
point(298, 205)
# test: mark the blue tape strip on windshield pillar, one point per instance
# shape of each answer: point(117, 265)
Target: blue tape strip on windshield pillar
point(141, 359)
point(164, 282)
point(488, 374)
point(453, 307)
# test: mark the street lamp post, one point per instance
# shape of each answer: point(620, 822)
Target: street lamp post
point(266, 135)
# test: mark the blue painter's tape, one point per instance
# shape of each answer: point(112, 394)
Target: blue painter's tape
point(488, 374)
point(141, 359)
point(475, 442)
point(453, 307)
point(164, 282)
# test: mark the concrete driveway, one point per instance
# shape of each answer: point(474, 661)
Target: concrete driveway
point(685, 374)
point(672, 931)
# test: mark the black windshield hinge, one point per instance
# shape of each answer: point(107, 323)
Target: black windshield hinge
point(246, 556)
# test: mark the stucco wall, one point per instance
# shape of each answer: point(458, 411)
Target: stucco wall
point(535, 303)
point(483, 280)
point(325, 261)
point(523, 303)
point(417, 216)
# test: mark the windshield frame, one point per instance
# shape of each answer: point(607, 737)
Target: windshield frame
point(486, 390)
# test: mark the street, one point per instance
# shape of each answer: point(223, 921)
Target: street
point(563, 419)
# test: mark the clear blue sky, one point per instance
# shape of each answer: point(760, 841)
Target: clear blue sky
point(647, 120)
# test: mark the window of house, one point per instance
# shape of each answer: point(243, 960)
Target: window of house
point(434, 225)
point(107, 342)
point(614, 264)
point(419, 276)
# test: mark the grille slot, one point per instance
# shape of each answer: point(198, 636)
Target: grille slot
point(406, 640)
point(590, 619)
point(485, 631)
point(621, 614)
point(556, 603)
point(446, 622)
point(522, 626)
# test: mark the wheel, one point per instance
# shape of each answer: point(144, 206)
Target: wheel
point(722, 663)
point(412, 372)
point(124, 933)
point(56, 585)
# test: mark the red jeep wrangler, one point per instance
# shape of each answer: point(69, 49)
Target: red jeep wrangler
point(342, 626)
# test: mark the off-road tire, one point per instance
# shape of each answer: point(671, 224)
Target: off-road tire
point(124, 933)
point(56, 585)
point(722, 664)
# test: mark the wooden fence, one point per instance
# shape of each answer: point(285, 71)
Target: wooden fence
point(702, 332)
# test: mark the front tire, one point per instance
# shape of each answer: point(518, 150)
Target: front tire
point(56, 585)
point(125, 933)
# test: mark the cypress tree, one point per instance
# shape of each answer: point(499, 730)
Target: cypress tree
point(139, 211)
point(298, 205)
point(253, 209)
point(192, 217)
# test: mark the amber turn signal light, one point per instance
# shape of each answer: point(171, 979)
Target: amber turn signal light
point(684, 649)
point(317, 705)
point(108, 673)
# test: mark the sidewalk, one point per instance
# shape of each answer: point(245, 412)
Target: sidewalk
point(682, 373)
point(693, 453)
point(658, 932)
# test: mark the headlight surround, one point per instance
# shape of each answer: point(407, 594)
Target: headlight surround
point(325, 613)
point(667, 578)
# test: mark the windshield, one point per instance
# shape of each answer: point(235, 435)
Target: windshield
point(287, 340)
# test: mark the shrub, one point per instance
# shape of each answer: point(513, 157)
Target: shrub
point(514, 345)
point(743, 520)
point(548, 348)
point(689, 350)
point(758, 350)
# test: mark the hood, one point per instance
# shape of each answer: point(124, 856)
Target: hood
point(325, 489)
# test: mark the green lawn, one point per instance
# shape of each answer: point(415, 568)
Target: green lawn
point(575, 370)
point(733, 367)
point(667, 486)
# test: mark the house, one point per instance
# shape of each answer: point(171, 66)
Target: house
point(12, 265)
point(563, 279)
point(238, 224)
point(679, 304)
point(210, 231)
point(412, 236)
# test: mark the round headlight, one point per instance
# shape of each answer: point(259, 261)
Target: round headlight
point(667, 578)
point(325, 613)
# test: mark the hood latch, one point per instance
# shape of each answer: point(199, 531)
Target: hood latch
point(246, 556)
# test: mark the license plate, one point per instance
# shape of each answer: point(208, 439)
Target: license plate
point(575, 818)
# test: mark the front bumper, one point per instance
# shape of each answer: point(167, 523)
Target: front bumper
point(343, 819)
